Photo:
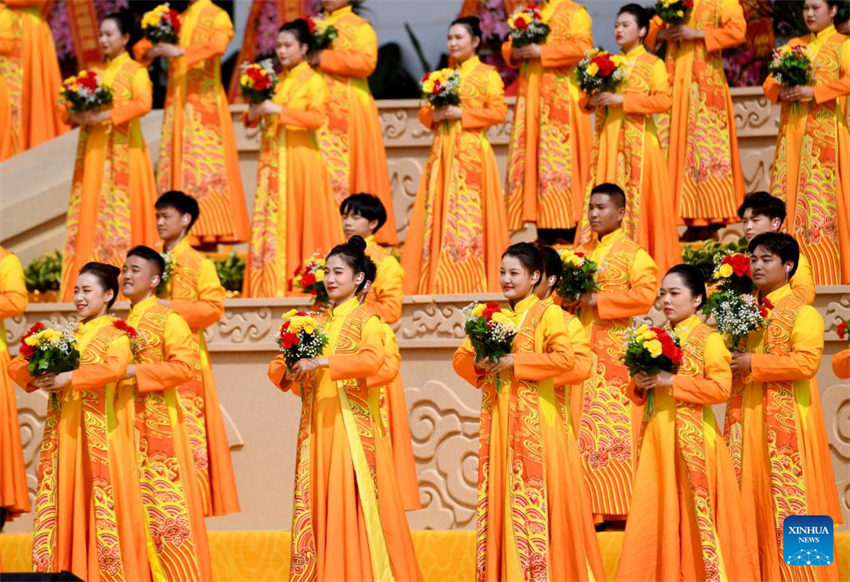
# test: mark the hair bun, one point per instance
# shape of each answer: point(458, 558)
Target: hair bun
point(356, 244)
point(112, 270)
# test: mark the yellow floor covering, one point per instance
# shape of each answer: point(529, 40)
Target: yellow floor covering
point(260, 556)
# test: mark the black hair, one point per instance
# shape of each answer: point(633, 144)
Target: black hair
point(780, 244)
point(614, 192)
point(353, 253)
point(552, 264)
point(181, 202)
point(126, 23)
point(368, 206)
point(529, 255)
point(150, 256)
point(763, 204)
point(301, 30)
point(107, 275)
point(472, 24)
point(641, 14)
point(694, 279)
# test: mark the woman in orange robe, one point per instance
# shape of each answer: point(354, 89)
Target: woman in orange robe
point(293, 189)
point(89, 517)
point(534, 519)
point(812, 160)
point(29, 66)
point(548, 160)
point(348, 522)
point(113, 186)
point(458, 226)
point(699, 133)
point(197, 150)
point(352, 142)
point(14, 496)
point(684, 522)
point(625, 147)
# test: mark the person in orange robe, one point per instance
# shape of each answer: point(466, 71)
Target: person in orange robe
point(570, 383)
point(88, 459)
point(113, 184)
point(165, 356)
point(197, 149)
point(685, 520)
point(352, 142)
point(774, 426)
point(30, 69)
point(699, 133)
point(192, 289)
point(548, 155)
point(812, 156)
point(348, 522)
point(458, 226)
point(14, 496)
point(609, 423)
point(762, 212)
point(534, 521)
point(625, 147)
point(363, 215)
point(293, 189)
point(5, 121)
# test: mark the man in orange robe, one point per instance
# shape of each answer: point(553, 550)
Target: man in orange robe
point(610, 422)
point(193, 290)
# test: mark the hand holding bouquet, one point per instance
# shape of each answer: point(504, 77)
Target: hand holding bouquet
point(527, 27)
point(791, 66)
point(310, 279)
point(651, 350)
point(85, 92)
point(599, 72)
point(300, 337)
point(257, 82)
point(442, 88)
point(577, 275)
point(323, 33)
point(50, 349)
point(161, 25)
point(491, 331)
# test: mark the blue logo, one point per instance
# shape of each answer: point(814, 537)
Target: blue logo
point(807, 540)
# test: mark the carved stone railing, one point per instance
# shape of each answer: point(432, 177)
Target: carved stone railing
point(261, 422)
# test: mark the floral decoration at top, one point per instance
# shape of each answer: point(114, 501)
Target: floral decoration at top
point(310, 279)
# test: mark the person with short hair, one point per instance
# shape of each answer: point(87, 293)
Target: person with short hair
point(774, 425)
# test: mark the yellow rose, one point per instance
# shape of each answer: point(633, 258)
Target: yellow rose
point(245, 80)
point(617, 60)
point(32, 340)
point(649, 335)
point(478, 309)
point(724, 271)
point(502, 317)
point(428, 85)
point(289, 314)
point(320, 275)
point(653, 347)
point(680, 13)
point(641, 330)
point(592, 69)
point(302, 323)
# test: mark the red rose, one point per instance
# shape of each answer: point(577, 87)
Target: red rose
point(284, 327)
point(26, 351)
point(126, 328)
point(307, 280)
point(842, 330)
point(605, 64)
point(302, 313)
point(425, 77)
point(287, 340)
point(437, 88)
point(311, 24)
point(579, 254)
point(520, 24)
point(493, 305)
point(174, 19)
point(89, 83)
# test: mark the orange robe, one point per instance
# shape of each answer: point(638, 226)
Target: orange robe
point(89, 518)
point(113, 189)
point(610, 423)
point(841, 364)
point(571, 382)
point(458, 228)
point(776, 435)
point(699, 133)
point(548, 155)
point(14, 496)
point(812, 160)
point(5, 121)
point(293, 189)
point(167, 355)
point(533, 519)
point(30, 69)
point(626, 152)
point(196, 294)
point(348, 522)
point(197, 149)
point(684, 523)
point(352, 142)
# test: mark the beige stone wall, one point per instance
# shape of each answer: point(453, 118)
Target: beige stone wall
point(262, 422)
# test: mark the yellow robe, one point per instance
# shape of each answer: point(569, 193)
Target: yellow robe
point(113, 189)
point(803, 283)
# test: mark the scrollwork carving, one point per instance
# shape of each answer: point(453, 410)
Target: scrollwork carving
point(435, 321)
point(238, 327)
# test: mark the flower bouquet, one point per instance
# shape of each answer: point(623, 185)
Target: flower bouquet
point(791, 66)
point(527, 27)
point(577, 275)
point(674, 12)
point(322, 32)
point(161, 25)
point(136, 345)
point(50, 349)
point(491, 331)
point(85, 92)
point(737, 315)
point(733, 274)
point(162, 289)
point(441, 88)
point(257, 81)
point(651, 350)
point(310, 279)
point(300, 337)
point(599, 72)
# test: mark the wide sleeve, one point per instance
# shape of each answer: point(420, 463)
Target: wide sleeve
point(715, 384)
point(558, 53)
point(391, 363)
point(19, 372)
point(839, 87)
point(180, 359)
point(386, 295)
point(208, 308)
point(276, 372)
point(13, 287)
point(638, 298)
point(140, 51)
point(463, 362)
point(658, 100)
point(771, 89)
point(426, 115)
point(651, 39)
point(359, 61)
point(368, 359)
point(582, 354)
point(139, 104)
point(314, 115)
point(557, 355)
point(214, 45)
point(495, 108)
point(507, 49)
point(841, 364)
point(803, 283)
point(732, 31)
point(802, 362)
point(112, 369)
